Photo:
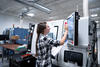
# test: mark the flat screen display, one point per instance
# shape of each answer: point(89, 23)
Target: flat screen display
point(4, 37)
point(72, 22)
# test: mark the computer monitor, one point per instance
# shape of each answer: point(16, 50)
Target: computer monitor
point(72, 22)
point(4, 37)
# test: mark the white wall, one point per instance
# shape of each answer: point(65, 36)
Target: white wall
point(7, 21)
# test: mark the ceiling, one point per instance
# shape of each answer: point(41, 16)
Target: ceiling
point(94, 8)
point(60, 9)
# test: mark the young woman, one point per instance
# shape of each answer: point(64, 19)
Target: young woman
point(44, 44)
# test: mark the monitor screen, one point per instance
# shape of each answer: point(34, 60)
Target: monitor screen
point(72, 22)
point(4, 37)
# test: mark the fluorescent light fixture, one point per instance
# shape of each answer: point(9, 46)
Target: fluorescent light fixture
point(35, 5)
point(94, 15)
point(51, 17)
point(30, 14)
point(97, 21)
point(42, 8)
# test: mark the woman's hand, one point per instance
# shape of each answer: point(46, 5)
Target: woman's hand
point(65, 34)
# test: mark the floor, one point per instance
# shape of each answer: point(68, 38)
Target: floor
point(5, 63)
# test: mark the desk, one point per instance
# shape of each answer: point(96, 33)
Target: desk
point(9, 46)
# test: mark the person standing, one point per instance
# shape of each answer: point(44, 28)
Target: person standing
point(44, 44)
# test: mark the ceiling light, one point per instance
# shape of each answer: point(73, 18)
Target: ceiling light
point(51, 17)
point(94, 15)
point(97, 21)
point(35, 5)
point(42, 8)
point(30, 14)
